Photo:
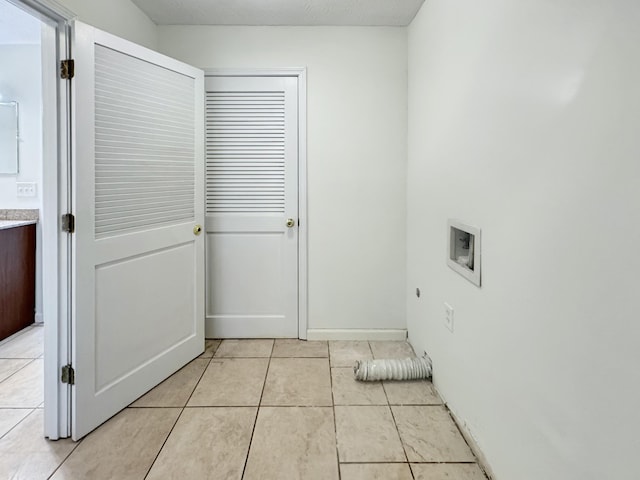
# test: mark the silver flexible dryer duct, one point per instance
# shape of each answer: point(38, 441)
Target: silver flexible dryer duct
point(393, 369)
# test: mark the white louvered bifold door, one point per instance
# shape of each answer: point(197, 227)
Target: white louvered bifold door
point(138, 194)
point(251, 192)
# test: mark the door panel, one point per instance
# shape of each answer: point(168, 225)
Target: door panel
point(151, 305)
point(138, 192)
point(261, 266)
point(251, 191)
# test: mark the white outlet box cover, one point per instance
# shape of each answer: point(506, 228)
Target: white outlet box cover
point(26, 189)
point(448, 319)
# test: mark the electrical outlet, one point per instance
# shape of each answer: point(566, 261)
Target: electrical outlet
point(448, 316)
point(26, 189)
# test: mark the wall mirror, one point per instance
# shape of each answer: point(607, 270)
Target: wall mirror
point(9, 135)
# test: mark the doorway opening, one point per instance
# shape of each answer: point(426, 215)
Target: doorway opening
point(256, 212)
point(33, 39)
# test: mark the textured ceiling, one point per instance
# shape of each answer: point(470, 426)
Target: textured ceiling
point(280, 12)
point(17, 27)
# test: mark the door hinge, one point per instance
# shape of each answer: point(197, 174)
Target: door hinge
point(67, 69)
point(68, 375)
point(68, 223)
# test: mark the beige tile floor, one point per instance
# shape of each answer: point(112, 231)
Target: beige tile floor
point(21, 376)
point(245, 409)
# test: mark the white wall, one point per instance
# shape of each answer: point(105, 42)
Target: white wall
point(524, 121)
point(22, 83)
point(357, 116)
point(119, 17)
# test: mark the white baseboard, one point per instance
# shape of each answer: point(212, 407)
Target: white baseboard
point(249, 327)
point(356, 334)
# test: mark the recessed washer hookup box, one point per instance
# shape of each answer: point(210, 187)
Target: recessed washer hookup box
point(464, 250)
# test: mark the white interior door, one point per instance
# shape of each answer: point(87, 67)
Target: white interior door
point(252, 206)
point(138, 194)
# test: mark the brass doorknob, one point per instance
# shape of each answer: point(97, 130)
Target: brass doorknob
point(197, 229)
point(290, 222)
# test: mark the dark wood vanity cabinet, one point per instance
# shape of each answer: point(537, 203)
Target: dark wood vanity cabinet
point(17, 278)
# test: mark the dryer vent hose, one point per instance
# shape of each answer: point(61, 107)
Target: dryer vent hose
point(393, 369)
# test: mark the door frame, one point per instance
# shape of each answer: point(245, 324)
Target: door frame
point(56, 151)
point(303, 229)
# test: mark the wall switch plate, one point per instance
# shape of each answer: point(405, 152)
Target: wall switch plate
point(26, 189)
point(448, 316)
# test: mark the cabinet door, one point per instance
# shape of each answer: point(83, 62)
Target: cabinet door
point(17, 279)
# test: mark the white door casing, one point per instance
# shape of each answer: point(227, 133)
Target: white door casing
point(54, 18)
point(252, 181)
point(138, 193)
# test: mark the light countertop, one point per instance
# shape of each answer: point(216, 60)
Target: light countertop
point(15, 223)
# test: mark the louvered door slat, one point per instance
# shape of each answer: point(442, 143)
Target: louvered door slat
point(245, 150)
point(144, 144)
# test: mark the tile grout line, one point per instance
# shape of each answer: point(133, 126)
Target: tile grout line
point(202, 374)
point(21, 420)
point(22, 408)
point(15, 339)
point(22, 358)
point(155, 459)
point(255, 420)
point(164, 442)
point(395, 423)
point(77, 444)
point(19, 369)
point(12, 340)
point(333, 408)
point(385, 462)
